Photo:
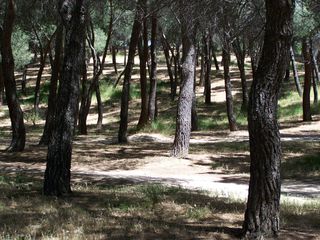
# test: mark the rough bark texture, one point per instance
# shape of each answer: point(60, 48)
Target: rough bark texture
point(53, 88)
point(57, 174)
point(143, 55)
point(183, 121)
point(114, 59)
point(228, 88)
point(262, 214)
point(16, 114)
point(153, 74)
point(136, 29)
point(307, 81)
point(295, 72)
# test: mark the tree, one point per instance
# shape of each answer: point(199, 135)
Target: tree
point(307, 80)
point(16, 114)
point(136, 29)
point(57, 174)
point(183, 121)
point(262, 217)
point(55, 73)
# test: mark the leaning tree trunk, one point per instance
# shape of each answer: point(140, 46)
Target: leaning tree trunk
point(183, 122)
point(307, 80)
point(114, 59)
point(136, 29)
point(228, 87)
point(262, 217)
point(153, 76)
point(57, 174)
point(48, 127)
point(295, 71)
point(16, 114)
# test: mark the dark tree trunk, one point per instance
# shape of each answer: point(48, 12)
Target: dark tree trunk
point(143, 55)
point(82, 123)
point(215, 60)
point(166, 49)
point(315, 88)
point(194, 114)
point(202, 68)
point(153, 76)
point(43, 57)
point(136, 29)
point(315, 74)
point(56, 66)
point(1, 85)
point(24, 80)
point(183, 122)
point(16, 114)
point(307, 80)
point(295, 71)
point(240, 53)
point(125, 56)
point(287, 76)
point(57, 174)
point(114, 59)
point(97, 71)
point(208, 64)
point(262, 214)
point(314, 62)
point(228, 87)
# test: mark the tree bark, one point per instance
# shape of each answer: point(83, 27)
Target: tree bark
point(215, 60)
point(307, 80)
point(16, 114)
point(57, 174)
point(143, 55)
point(136, 29)
point(262, 218)
point(183, 121)
point(295, 71)
point(153, 76)
point(56, 67)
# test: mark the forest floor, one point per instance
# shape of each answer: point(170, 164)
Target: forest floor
point(143, 192)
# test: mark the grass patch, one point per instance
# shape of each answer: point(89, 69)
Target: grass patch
point(305, 166)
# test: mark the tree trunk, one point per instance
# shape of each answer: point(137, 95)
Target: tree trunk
point(228, 87)
point(114, 59)
point(97, 71)
point(1, 85)
point(16, 114)
point(262, 214)
point(125, 56)
point(24, 80)
point(153, 76)
point(56, 67)
point(202, 68)
point(183, 122)
point(194, 114)
point(208, 64)
point(143, 55)
point(43, 57)
point(307, 80)
point(215, 60)
point(295, 72)
point(240, 53)
point(166, 50)
point(57, 174)
point(136, 29)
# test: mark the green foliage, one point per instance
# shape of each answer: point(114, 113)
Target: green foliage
point(100, 40)
point(20, 48)
point(304, 22)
